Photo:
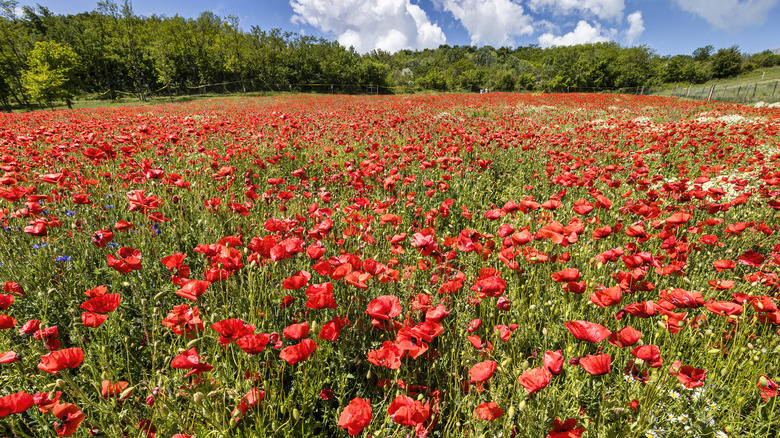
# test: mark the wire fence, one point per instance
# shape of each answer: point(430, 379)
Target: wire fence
point(736, 92)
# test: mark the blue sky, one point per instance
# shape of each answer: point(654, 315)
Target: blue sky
point(668, 26)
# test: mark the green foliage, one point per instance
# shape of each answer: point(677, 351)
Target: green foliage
point(51, 72)
point(726, 62)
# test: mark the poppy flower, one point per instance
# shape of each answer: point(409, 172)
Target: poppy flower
point(298, 352)
point(7, 322)
point(724, 265)
point(249, 401)
point(606, 297)
point(535, 379)
point(355, 416)
point(587, 331)
point(6, 301)
point(190, 360)
point(407, 411)
point(253, 343)
point(56, 361)
point(687, 375)
point(765, 384)
point(598, 364)
point(46, 401)
point(15, 403)
point(69, 416)
point(648, 353)
point(320, 296)
point(102, 238)
point(553, 361)
point(102, 304)
point(110, 389)
point(482, 371)
point(8, 357)
point(488, 411)
point(12, 287)
point(389, 356)
point(566, 429)
point(231, 329)
point(192, 289)
point(93, 320)
point(626, 337)
point(383, 308)
point(296, 332)
point(332, 329)
point(566, 275)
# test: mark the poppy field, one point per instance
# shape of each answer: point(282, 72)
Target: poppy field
point(435, 266)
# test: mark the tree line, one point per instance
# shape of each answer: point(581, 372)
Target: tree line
point(110, 51)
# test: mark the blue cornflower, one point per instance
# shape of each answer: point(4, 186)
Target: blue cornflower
point(70, 213)
point(61, 258)
point(109, 206)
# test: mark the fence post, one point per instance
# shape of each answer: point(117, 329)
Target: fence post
point(723, 96)
point(754, 90)
point(746, 93)
point(689, 90)
point(775, 89)
point(712, 89)
point(673, 89)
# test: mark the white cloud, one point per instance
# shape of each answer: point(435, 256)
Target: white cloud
point(635, 27)
point(366, 25)
point(603, 9)
point(493, 22)
point(582, 34)
point(730, 15)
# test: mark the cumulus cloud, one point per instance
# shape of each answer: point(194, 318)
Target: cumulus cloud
point(582, 34)
point(603, 9)
point(730, 15)
point(635, 27)
point(366, 25)
point(494, 22)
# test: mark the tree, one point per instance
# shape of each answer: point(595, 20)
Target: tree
point(52, 72)
point(703, 54)
point(726, 62)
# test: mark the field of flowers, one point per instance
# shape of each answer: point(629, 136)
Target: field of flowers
point(445, 266)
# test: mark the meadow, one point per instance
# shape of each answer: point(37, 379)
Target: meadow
point(529, 265)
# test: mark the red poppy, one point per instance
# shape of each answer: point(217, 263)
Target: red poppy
point(535, 379)
point(356, 416)
point(15, 403)
point(648, 353)
point(407, 411)
point(109, 389)
point(598, 364)
point(12, 287)
point(102, 238)
point(687, 375)
point(723, 265)
point(231, 329)
point(296, 281)
point(296, 332)
point(320, 296)
point(102, 304)
point(95, 292)
point(8, 357)
point(7, 322)
point(190, 360)
point(192, 289)
point(298, 352)
point(70, 417)
point(389, 356)
point(566, 429)
point(332, 329)
point(566, 275)
point(488, 411)
point(482, 371)
point(46, 401)
point(92, 320)
point(382, 309)
point(6, 301)
point(253, 343)
point(553, 361)
point(587, 331)
point(626, 337)
point(765, 384)
point(249, 401)
point(58, 360)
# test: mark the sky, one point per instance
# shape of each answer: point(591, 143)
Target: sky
point(670, 27)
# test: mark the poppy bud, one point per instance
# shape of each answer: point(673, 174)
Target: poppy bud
point(296, 414)
point(198, 397)
point(763, 382)
point(61, 384)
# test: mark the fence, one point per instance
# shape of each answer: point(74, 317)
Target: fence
point(736, 92)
